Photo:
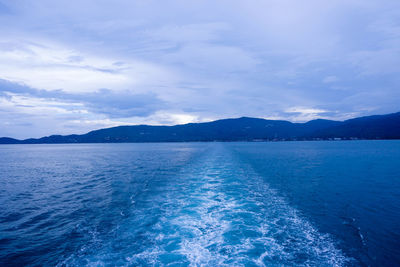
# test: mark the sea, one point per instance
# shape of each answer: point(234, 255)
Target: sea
point(311, 203)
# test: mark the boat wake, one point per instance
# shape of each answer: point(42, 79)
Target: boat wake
point(216, 212)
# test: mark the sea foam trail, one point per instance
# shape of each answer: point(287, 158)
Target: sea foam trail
point(216, 212)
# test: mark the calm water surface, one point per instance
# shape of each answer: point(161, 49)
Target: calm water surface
point(192, 204)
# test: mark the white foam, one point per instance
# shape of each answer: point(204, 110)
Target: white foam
point(218, 212)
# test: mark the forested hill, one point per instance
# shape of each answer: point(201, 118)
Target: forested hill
point(240, 129)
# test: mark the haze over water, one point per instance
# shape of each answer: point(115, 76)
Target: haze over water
point(191, 204)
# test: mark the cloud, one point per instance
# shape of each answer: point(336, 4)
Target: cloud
point(66, 65)
point(52, 67)
point(330, 79)
point(113, 104)
point(304, 110)
point(377, 62)
point(211, 58)
point(189, 33)
point(302, 114)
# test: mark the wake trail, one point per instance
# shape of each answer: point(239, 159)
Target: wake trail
point(215, 212)
point(221, 213)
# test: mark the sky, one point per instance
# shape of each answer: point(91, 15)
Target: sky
point(74, 66)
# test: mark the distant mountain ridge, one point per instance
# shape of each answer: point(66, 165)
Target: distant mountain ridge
point(240, 129)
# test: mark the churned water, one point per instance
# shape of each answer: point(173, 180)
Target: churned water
point(201, 204)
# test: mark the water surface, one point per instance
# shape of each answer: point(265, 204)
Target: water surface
point(232, 204)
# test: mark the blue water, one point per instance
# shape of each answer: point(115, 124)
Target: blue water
point(193, 204)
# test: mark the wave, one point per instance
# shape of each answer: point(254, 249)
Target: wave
point(216, 212)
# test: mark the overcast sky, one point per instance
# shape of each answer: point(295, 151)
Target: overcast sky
point(74, 66)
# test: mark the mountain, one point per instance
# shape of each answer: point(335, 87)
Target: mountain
point(240, 129)
point(371, 127)
point(7, 140)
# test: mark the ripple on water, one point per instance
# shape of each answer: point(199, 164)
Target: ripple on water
point(213, 210)
point(224, 215)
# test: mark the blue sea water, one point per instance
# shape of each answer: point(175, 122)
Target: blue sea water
point(193, 204)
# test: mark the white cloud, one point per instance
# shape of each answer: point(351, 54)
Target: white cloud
point(166, 117)
point(303, 114)
point(189, 33)
point(213, 58)
point(330, 79)
point(377, 62)
point(40, 106)
point(53, 67)
point(304, 110)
